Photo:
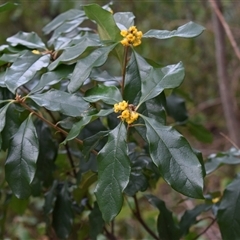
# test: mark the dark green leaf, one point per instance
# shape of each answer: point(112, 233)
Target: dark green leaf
point(188, 30)
point(27, 39)
point(3, 111)
point(66, 103)
point(85, 65)
point(216, 160)
point(124, 19)
point(70, 54)
point(159, 79)
point(137, 70)
point(176, 108)
point(167, 228)
point(50, 199)
point(178, 164)
point(113, 173)
point(190, 217)
point(51, 78)
point(60, 19)
point(24, 69)
point(21, 161)
point(96, 222)
point(62, 213)
point(48, 149)
point(200, 132)
point(7, 6)
point(77, 127)
point(228, 215)
point(107, 94)
point(107, 27)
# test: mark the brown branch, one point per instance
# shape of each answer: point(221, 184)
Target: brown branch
point(226, 27)
point(137, 214)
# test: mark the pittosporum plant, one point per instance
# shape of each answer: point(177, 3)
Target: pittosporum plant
point(87, 139)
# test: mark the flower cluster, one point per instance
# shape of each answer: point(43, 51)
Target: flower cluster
point(128, 112)
point(35, 52)
point(131, 36)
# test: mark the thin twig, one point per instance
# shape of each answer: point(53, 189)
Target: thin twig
point(226, 27)
point(205, 230)
point(231, 141)
point(137, 214)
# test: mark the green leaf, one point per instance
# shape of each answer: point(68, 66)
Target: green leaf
point(77, 127)
point(214, 161)
point(60, 19)
point(85, 65)
point(68, 104)
point(124, 20)
point(10, 58)
point(62, 213)
point(167, 228)
point(168, 77)
point(17, 205)
point(50, 198)
point(228, 215)
point(24, 69)
point(113, 173)
point(107, 27)
point(21, 161)
point(51, 78)
point(188, 30)
point(200, 132)
point(48, 149)
point(7, 6)
point(3, 111)
point(137, 70)
point(190, 217)
point(107, 94)
point(26, 39)
point(96, 222)
point(70, 54)
point(178, 164)
point(176, 108)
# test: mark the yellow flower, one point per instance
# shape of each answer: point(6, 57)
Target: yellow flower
point(131, 36)
point(35, 52)
point(125, 114)
point(116, 107)
point(125, 42)
point(122, 105)
point(124, 33)
point(215, 200)
point(136, 43)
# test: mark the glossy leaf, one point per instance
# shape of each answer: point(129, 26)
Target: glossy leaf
point(51, 78)
point(21, 161)
point(96, 222)
point(3, 111)
point(60, 19)
point(176, 108)
point(178, 164)
point(214, 161)
point(107, 94)
point(27, 39)
point(107, 27)
point(228, 215)
point(7, 6)
point(161, 78)
point(137, 70)
point(113, 173)
point(85, 65)
point(50, 198)
point(70, 54)
point(124, 20)
point(62, 213)
point(167, 228)
point(24, 69)
point(77, 127)
point(189, 218)
point(66, 103)
point(188, 30)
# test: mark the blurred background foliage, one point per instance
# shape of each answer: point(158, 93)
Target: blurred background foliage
point(200, 89)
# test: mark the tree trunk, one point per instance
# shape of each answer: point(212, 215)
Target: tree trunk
point(223, 79)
